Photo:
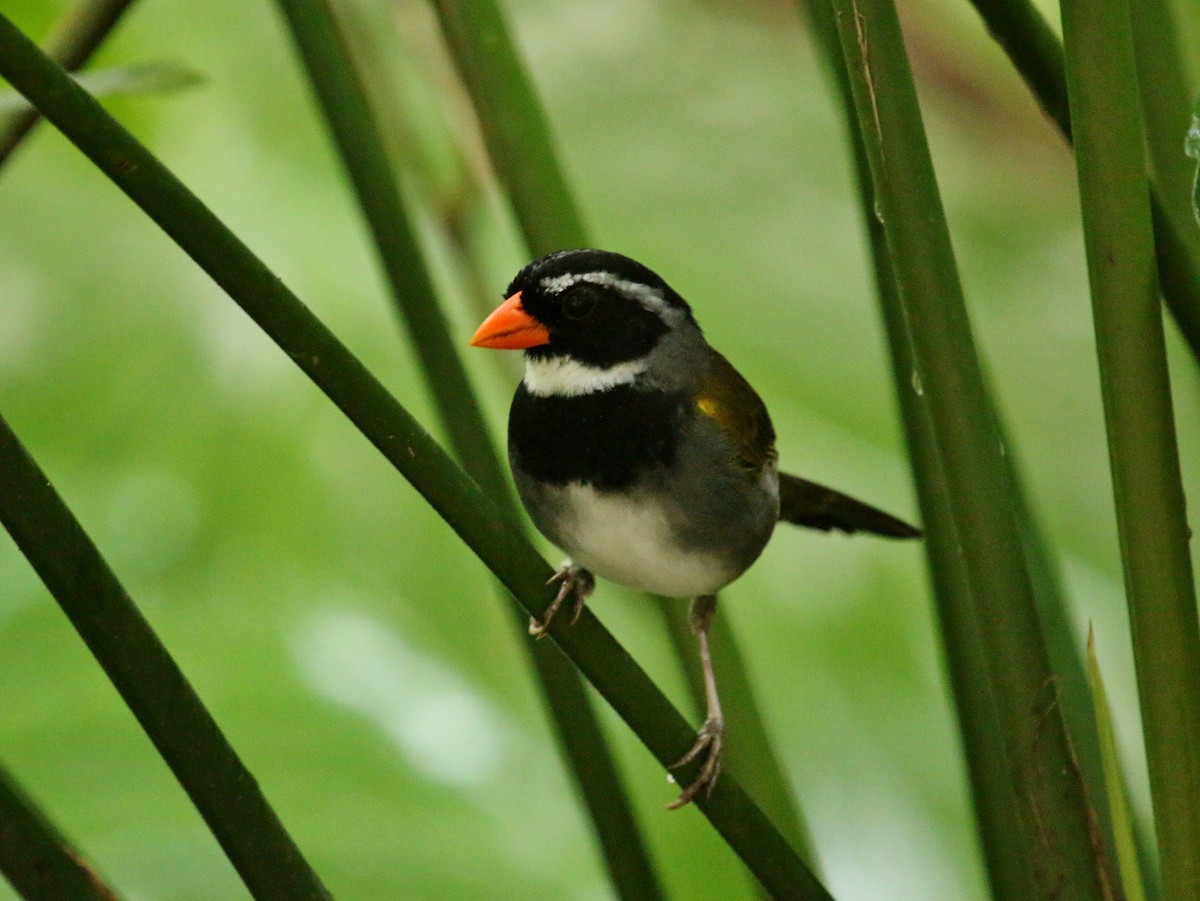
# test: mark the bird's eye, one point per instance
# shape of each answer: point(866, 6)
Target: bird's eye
point(579, 305)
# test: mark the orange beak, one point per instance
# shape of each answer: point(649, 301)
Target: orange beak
point(509, 327)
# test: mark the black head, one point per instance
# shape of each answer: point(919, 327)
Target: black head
point(599, 307)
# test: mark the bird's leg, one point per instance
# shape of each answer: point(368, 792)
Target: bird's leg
point(712, 733)
point(575, 582)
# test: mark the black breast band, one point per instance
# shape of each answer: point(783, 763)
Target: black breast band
point(606, 438)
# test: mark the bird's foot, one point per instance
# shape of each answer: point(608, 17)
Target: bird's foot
point(708, 742)
point(576, 583)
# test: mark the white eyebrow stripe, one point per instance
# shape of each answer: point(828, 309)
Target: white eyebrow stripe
point(567, 377)
point(650, 298)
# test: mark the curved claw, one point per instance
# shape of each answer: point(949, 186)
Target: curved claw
point(576, 583)
point(709, 741)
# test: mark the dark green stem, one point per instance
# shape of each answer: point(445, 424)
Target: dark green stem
point(995, 805)
point(343, 99)
point(392, 430)
point(515, 128)
point(35, 858)
point(521, 147)
point(1038, 56)
point(71, 43)
point(1166, 102)
point(148, 679)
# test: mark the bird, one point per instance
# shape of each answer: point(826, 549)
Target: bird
point(642, 453)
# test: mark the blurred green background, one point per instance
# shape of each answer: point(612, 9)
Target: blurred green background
point(354, 651)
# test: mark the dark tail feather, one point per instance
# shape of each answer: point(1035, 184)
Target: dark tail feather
point(806, 503)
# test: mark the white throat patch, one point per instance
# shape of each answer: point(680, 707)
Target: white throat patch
point(566, 377)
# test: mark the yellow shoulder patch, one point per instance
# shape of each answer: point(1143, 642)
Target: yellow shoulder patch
point(728, 400)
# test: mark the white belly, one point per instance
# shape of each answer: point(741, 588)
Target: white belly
point(629, 541)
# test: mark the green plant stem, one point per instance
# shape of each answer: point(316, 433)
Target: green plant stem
point(992, 794)
point(484, 528)
point(521, 147)
point(148, 679)
point(1166, 102)
point(343, 99)
point(1035, 51)
point(515, 128)
point(1166, 105)
point(1143, 455)
point(995, 803)
point(1038, 56)
point(75, 37)
point(1057, 830)
point(35, 858)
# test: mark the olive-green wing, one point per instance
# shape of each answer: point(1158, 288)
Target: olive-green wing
point(728, 400)
point(806, 503)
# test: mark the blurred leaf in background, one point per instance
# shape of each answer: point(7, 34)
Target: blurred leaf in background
point(162, 77)
point(352, 649)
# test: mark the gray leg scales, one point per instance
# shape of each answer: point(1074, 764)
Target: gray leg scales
point(576, 584)
point(710, 738)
